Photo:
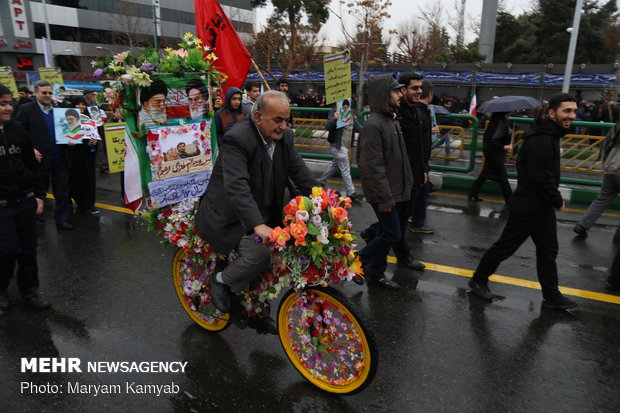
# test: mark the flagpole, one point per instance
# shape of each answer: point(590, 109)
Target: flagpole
point(260, 74)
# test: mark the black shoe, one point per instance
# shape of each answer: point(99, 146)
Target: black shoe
point(64, 226)
point(221, 294)
point(560, 302)
point(36, 301)
point(5, 301)
point(612, 287)
point(474, 198)
point(263, 325)
point(412, 264)
point(580, 231)
point(481, 289)
point(383, 282)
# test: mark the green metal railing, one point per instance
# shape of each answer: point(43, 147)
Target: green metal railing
point(579, 151)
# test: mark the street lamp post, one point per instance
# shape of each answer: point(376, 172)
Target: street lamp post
point(47, 44)
point(574, 33)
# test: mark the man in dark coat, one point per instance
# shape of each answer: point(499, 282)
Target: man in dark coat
point(245, 196)
point(21, 197)
point(37, 119)
point(533, 205)
point(387, 181)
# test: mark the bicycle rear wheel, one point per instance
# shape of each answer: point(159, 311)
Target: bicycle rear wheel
point(194, 293)
point(326, 340)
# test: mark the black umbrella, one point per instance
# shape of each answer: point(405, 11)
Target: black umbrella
point(509, 104)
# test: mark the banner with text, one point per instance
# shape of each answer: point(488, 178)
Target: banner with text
point(7, 79)
point(337, 67)
point(115, 146)
point(177, 154)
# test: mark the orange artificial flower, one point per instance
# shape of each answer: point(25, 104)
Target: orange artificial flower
point(279, 236)
point(299, 231)
point(339, 214)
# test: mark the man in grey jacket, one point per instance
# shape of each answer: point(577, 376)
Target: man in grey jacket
point(386, 179)
point(610, 154)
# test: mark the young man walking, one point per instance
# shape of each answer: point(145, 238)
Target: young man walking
point(533, 205)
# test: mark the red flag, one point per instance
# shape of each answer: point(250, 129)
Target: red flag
point(217, 32)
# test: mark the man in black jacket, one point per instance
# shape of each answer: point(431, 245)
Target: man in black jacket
point(533, 205)
point(21, 197)
point(37, 119)
point(245, 196)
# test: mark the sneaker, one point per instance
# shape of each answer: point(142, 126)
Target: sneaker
point(580, 231)
point(422, 230)
point(481, 289)
point(93, 211)
point(560, 302)
point(5, 301)
point(36, 301)
point(354, 196)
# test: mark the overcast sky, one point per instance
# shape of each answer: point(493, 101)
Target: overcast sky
point(403, 11)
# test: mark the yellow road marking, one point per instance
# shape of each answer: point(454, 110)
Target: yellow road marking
point(104, 206)
point(591, 295)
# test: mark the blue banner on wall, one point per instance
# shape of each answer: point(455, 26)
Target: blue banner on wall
point(464, 77)
point(508, 78)
point(582, 79)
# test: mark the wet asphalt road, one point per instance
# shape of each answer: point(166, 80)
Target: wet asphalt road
point(440, 348)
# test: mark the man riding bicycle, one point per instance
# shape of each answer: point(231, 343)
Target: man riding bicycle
point(245, 196)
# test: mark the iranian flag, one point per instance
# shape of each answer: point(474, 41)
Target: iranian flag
point(473, 103)
point(216, 31)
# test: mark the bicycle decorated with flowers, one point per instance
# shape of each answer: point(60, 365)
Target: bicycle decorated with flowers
point(320, 330)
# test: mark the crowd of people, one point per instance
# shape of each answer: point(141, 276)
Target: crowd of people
point(393, 158)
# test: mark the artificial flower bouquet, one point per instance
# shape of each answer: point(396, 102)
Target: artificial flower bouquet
point(128, 70)
point(314, 246)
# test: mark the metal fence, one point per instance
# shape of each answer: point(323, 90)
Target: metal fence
point(460, 142)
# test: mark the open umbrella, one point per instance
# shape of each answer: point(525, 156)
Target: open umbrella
point(509, 104)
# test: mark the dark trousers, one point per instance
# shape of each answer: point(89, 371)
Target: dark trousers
point(493, 170)
point(391, 233)
point(614, 271)
point(541, 226)
point(59, 175)
point(18, 245)
point(419, 203)
point(82, 177)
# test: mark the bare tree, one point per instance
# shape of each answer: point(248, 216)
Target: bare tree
point(417, 43)
point(130, 30)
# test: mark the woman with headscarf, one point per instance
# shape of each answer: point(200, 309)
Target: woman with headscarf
point(495, 144)
point(82, 162)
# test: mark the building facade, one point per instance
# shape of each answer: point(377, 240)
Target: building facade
point(82, 30)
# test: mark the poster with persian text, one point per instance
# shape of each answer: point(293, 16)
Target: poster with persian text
point(181, 162)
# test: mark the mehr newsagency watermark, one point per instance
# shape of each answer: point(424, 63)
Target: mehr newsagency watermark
point(75, 365)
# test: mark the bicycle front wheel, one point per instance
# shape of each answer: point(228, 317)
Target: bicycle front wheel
point(194, 292)
point(326, 340)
